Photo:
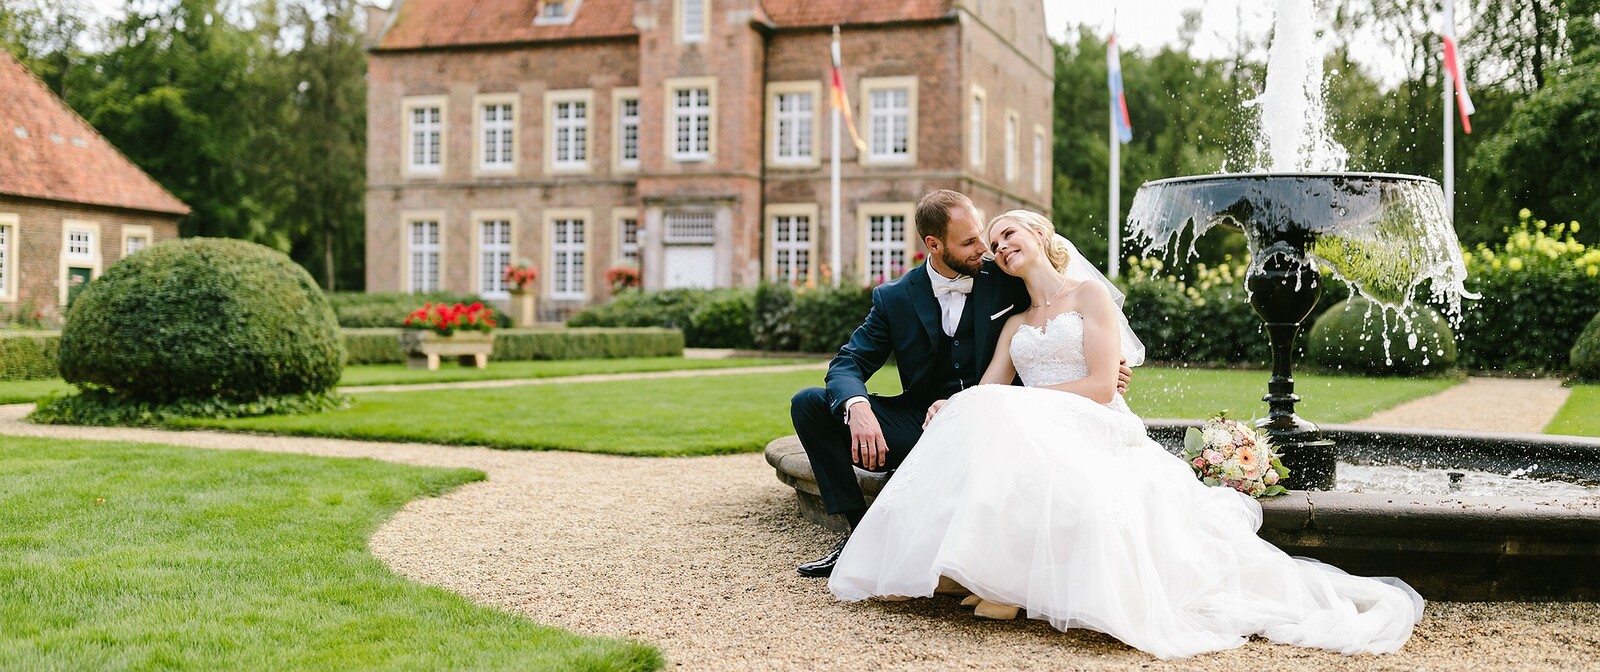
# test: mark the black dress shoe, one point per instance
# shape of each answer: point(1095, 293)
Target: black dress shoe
point(824, 566)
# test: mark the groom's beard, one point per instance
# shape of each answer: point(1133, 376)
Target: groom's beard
point(959, 265)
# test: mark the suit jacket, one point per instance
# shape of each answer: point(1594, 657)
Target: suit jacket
point(904, 321)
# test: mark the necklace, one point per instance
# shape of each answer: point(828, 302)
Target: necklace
point(1052, 297)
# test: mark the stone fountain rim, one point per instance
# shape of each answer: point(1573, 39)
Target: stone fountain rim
point(1265, 176)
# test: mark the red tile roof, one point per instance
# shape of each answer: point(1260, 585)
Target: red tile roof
point(422, 24)
point(441, 23)
point(797, 13)
point(47, 151)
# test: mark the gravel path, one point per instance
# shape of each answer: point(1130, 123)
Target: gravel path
point(697, 556)
point(1481, 404)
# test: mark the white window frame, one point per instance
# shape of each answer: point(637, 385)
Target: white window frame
point(408, 250)
point(688, 32)
point(619, 217)
point(619, 98)
point(10, 232)
point(776, 119)
point(1012, 138)
point(131, 232)
point(493, 287)
point(1038, 159)
point(675, 85)
point(502, 128)
point(864, 214)
point(809, 211)
point(873, 84)
point(586, 268)
point(407, 140)
point(567, 97)
point(570, 8)
point(977, 110)
point(92, 260)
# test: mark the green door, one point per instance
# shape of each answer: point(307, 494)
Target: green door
point(77, 279)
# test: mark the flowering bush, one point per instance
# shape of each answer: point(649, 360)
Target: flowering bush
point(1231, 453)
point(521, 275)
point(444, 319)
point(622, 277)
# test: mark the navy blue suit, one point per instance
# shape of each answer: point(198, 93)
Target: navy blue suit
point(904, 322)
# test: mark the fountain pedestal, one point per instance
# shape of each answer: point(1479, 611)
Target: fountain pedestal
point(1283, 290)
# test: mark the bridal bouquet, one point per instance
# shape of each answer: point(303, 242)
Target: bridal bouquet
point(1231, 453)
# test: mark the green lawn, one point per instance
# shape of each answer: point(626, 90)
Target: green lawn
point(1580, 416)
point(739, 413)
point(29, 391)
point(130, 556)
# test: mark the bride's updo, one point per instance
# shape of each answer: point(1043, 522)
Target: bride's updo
point(1055, 247)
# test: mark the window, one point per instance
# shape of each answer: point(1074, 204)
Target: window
point(497, 123)
point(134, 244)
point(891, 115)
point(80, 244)
point(569, 130)
point(1011, 146)
point(793, 134)
point(886, 247)
point(691, 120)
point(791, 248)
point(1038, 159)
point(692, 20)
point(567, 257)
point(556, 12)
point(494, 255)
point(80, 258)
point(627, 106)
point(694, 228)
point(8, 235)
point(975, 128)
point(628, 238)
point(425, 136)
point(424, 256)
point(554, 9)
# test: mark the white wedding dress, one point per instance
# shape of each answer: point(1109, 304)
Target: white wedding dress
point(1052, 502)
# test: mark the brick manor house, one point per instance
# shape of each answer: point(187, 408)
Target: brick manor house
point(690, 138)
point(71, 205)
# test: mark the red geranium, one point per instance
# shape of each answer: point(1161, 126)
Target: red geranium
point(521, 275)
point(444, 319)
point(622, 277)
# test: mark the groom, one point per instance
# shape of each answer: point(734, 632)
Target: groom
point(941, 323)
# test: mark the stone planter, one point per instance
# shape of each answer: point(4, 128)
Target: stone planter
point(524, 307)
point(424, 348)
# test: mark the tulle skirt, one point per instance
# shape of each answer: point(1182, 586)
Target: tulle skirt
point(1051, 502)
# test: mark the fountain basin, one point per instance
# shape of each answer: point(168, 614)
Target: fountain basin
point(1449, 547)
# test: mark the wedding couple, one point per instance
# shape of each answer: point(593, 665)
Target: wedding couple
point(1048, 497)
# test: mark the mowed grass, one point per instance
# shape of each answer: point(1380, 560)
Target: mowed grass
point(743, 412)
point(135, 556)
point(28, 391)
point(1580, 416)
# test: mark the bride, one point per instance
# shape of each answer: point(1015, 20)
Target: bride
point(1051, 498)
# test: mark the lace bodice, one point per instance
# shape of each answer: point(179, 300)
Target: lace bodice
point(1052, 355)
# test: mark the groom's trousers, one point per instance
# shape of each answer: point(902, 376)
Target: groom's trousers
point(827, 442)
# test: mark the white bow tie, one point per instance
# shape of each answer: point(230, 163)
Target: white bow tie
point(961, 285)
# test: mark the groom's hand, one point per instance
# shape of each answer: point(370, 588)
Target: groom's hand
point(1124, 376)
point(932, 411)
point(868, 448)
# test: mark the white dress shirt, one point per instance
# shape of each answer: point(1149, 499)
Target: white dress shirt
point(952, 296)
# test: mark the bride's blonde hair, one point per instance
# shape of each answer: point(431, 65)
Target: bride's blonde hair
point(1055, 247)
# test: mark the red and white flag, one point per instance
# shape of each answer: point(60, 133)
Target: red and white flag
point(1452, 67)
point(841, 99)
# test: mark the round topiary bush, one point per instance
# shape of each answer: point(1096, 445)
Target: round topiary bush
point(202, 319)
point(1586, 353)
point(1350, 337)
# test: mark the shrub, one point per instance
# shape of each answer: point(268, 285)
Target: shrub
point(361, 310)
point(587, 343)
point(826, 316)
point(1586, 353)
point(722, 320)
point(202, 319)
point(373, 346)
point(1356, 335)
point(1539, 290)
point(669, 308)
point(29, 356)
point(772, 327)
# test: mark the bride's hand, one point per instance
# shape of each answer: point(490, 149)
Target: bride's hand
point(933, 410)
point(1124, 376)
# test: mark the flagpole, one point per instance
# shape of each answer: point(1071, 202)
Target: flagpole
point(834, 222)
point(1449, 119)
point(1114, 251)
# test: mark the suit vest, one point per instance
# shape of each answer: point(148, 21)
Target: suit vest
point(956, 357)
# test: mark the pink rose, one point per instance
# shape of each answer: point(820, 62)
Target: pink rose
point(1199, 462)
point(1213, 456)
point(1272, 477)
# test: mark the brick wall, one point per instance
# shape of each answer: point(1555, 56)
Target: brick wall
point(37, 247)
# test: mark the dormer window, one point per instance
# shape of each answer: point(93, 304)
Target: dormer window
point(557, 12)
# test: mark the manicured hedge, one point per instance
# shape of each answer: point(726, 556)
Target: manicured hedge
point(359, 310)
point(29, 355)
point(771, 317)
point(382, 346)
point(1351, 335)
point(1586, 354)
